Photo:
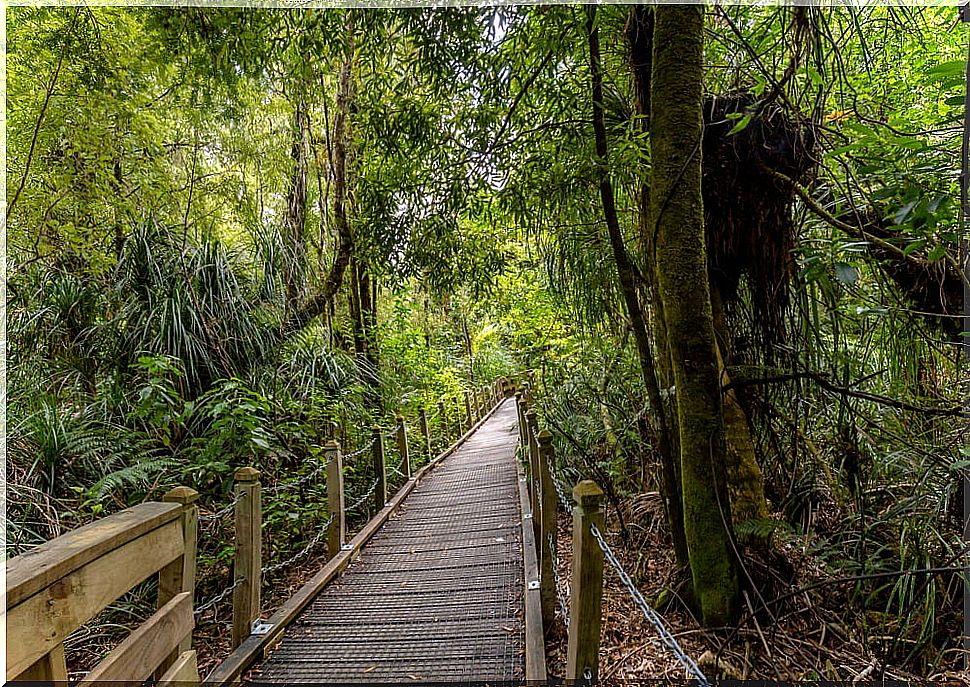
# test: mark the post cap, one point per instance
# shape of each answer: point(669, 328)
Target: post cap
point(183, 495)
point(246, 474)
point(376, 429)
point(544, 436)
point(530, 414)
point(587, 494)
point(398, 417)
point(332, 445)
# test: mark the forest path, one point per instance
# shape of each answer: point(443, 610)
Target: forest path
point(437, 594)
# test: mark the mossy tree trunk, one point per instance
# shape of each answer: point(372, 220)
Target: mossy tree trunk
point(629, 281)
point(677, 222)
point(746, 484)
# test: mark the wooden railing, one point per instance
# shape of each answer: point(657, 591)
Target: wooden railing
point(586, 579)
point(57, 587)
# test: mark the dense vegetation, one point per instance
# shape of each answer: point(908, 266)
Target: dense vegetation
point(726, 240)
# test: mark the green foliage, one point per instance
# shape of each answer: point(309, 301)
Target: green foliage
point(152, 339)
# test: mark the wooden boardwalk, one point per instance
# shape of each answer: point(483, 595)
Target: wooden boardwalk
point(437, 594)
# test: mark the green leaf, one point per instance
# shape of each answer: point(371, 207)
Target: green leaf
point(741, 124)
point(914, 246)
point(947, 70)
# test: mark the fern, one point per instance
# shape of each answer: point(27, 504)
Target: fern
point(762, 528)
point(136, 474)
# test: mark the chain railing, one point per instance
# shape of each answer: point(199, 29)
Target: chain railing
point(359, 502)
point(299, 481)
point(222, 512)
point(206, 605)
point(351, 458)
point(542, 472)
point(561, 592)
point(668, 640)
point(317, 538)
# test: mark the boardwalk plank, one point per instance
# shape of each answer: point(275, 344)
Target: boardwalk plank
point(437, 594)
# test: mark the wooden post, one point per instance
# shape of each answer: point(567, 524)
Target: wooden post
point(380, 468)
point(248, 560)
point(533, 448)
point(337, 531)
point(443, 422)
point(468, 410)
point(547, 528)
point(586, 587)
point(402, 446)
point(51, 669)
point(179, 575)
point(520, 416)
point(425, 429)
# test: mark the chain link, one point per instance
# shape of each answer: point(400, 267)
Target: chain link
point(222, 512)
point(285, 486)
point(560, 589)
point(365, 497)
point(351, 456)
point(201, 608)
point(560, 490)
point(270, 569)
point(651, 615)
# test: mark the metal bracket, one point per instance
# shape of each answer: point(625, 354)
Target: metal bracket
point(260, 627)
point(533, 584)
point(527, 516)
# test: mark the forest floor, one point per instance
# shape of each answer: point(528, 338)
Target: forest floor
point(814, 636)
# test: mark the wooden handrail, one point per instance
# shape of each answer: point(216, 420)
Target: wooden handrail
point(41, 566)
point(57, 587)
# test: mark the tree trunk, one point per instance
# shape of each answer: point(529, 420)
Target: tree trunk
point(677, 221)
point(321, 302)
point(294, 252)
point(628, 284)
point(746, 485)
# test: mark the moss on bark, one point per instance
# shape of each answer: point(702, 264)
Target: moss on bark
point(677, 223)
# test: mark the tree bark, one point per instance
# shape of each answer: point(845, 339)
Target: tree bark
point(628, 284)
point(321, 301)
point(294, 252)
point(677, 222)
point(746, 485)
